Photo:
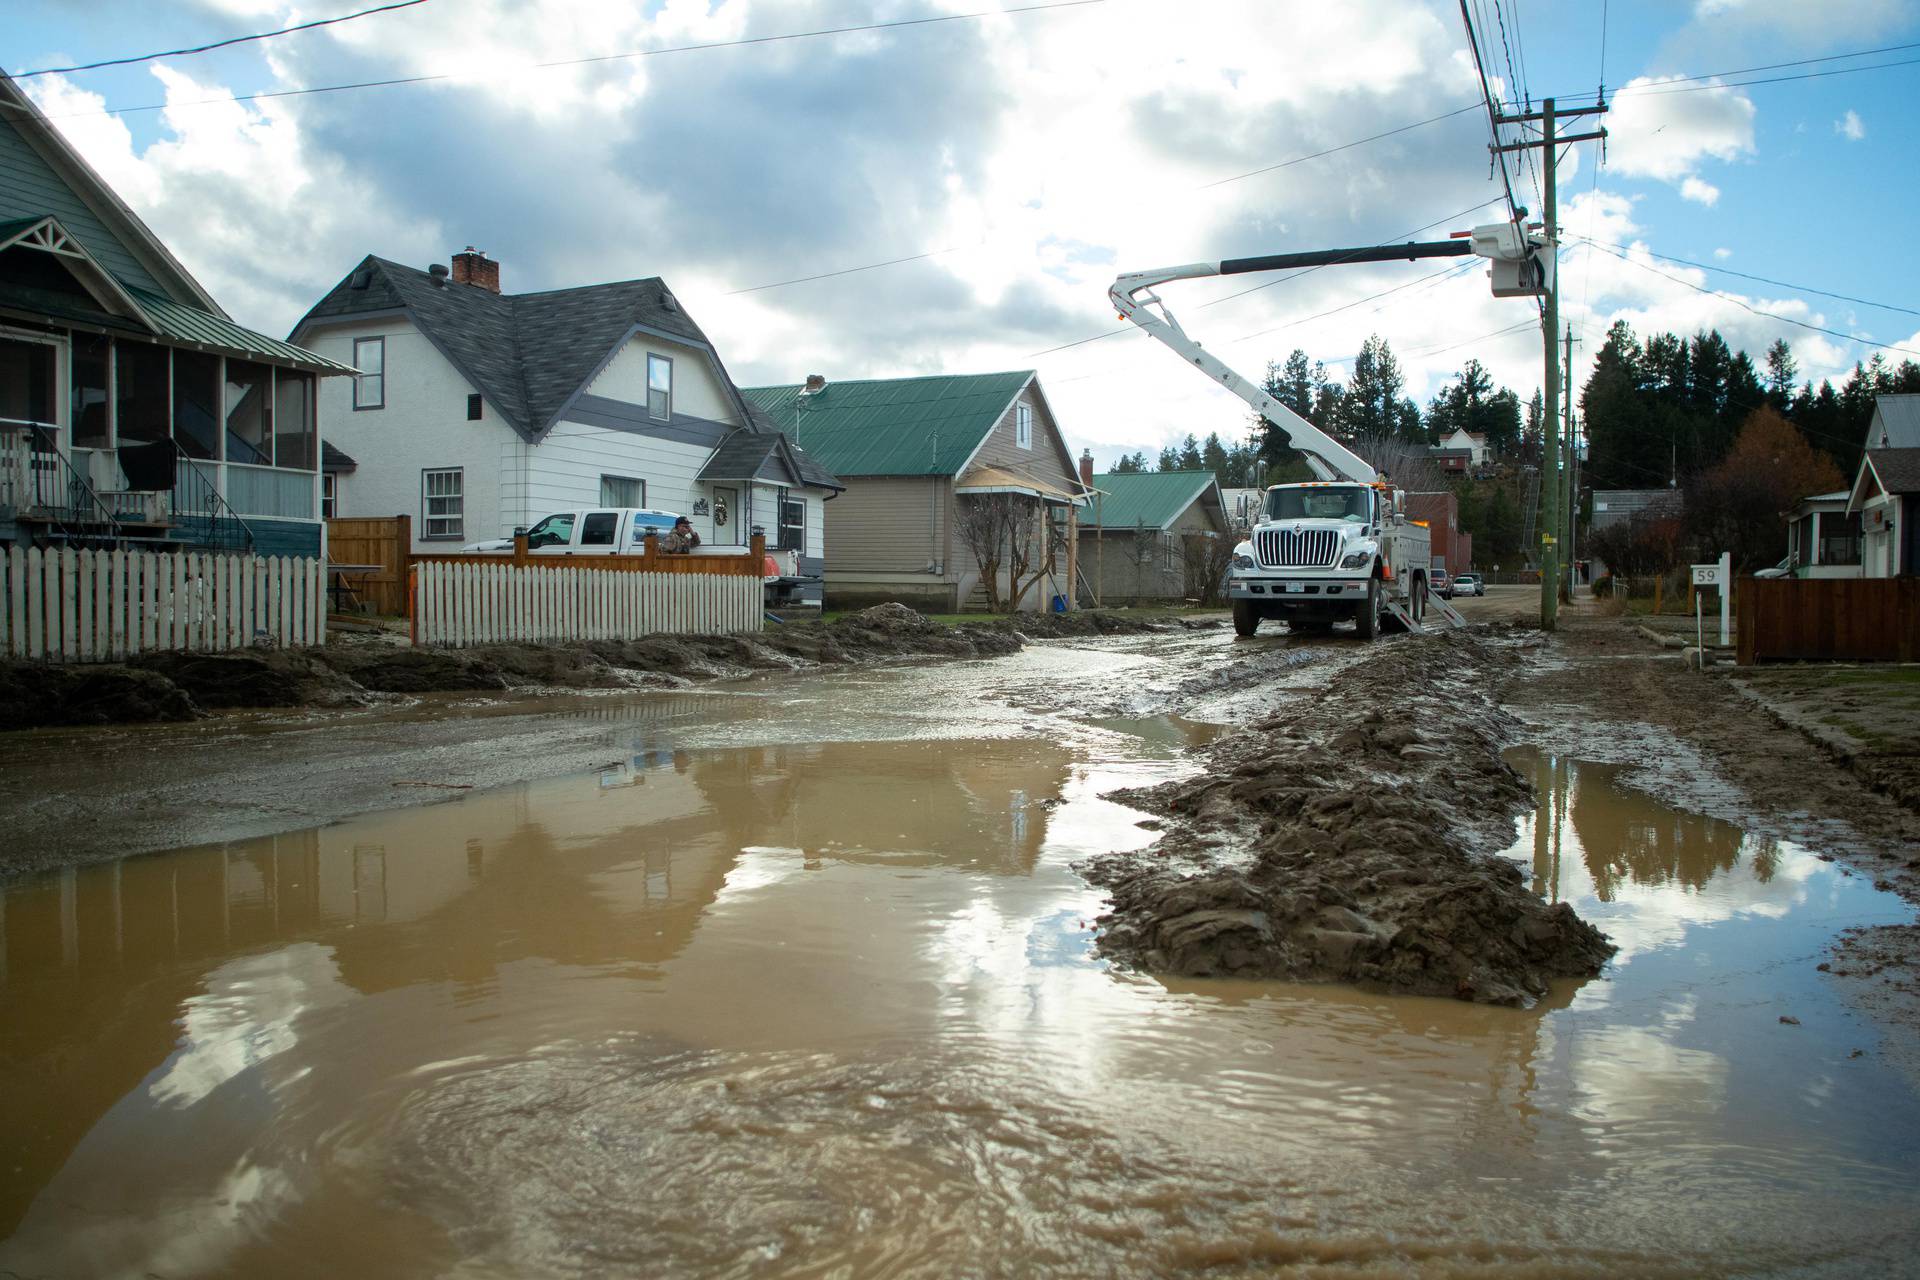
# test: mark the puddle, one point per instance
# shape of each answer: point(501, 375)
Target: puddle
point(795, 984)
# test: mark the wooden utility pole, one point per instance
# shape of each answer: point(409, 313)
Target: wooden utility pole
point(1567, 495)
point(1551, 480)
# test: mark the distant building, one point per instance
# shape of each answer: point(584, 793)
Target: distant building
point(1243, 506)
point(1896, 423)
point(1617, 506)
point(1134, 537)
point(1474, 442)
point(1823, 540)
point(1886, 497)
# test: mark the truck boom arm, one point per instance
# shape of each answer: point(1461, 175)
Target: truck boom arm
point(1133, 297)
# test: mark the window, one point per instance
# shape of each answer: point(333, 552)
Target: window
point(294, 446)
point(89, 390)
point(249, 415)
point(26, 381)
point(554, 531)
point(370, 388)
point(659, 388)
point(141, 397)
point(473, 407)
point(329, 495)
point(793, 524)
point(598, 528)
point(196, 404)
point(443, 503)
point(1023, 425)
point(622, 491)
point(1840, 539)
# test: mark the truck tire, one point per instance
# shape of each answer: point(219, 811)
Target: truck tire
point(1366, 623)
point(1418, 606)
point(1246, 619)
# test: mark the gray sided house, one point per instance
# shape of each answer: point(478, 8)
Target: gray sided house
point(921, 459)
point(1152, 535)
point(133, 411)
point(477, 412)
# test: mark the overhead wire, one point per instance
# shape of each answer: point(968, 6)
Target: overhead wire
point(818, 33)
point(1779, 284)
point(1863, 340)
point(215, 44)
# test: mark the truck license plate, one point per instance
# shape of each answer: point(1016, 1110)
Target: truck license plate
point(1293, 586)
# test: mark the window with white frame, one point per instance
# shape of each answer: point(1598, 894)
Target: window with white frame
point(622, 491)
point(793, 524)
point(659, 388)
point(1023, 425)
point(370, 358)
point(329, 495)
point(443, 503)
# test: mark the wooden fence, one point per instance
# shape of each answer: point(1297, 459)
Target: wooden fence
point(459, 601)
point(64, 605)
point(1828, 619)
point(385, 541)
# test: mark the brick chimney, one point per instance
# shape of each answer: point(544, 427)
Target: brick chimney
point(476, 268)
point(1086, 467)
point(816, 383)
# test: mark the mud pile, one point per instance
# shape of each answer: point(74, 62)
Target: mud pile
point(1349, 838)
point(182, 686)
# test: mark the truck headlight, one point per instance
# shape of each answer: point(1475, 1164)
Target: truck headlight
point(1241, 561)
point(1356, 559)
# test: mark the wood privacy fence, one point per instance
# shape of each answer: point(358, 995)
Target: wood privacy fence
point(385, 541)
point(459, 601)
point(64, 605)
point(1828, 619)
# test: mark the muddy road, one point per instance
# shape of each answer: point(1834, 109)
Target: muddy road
point(801, 975)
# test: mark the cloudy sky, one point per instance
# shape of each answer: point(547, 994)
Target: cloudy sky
point(1022, 159)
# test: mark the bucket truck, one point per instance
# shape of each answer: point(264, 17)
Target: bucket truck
point(1339, 547)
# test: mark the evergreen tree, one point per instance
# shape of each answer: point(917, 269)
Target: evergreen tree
point(1781, 370)
point(1372, 402)
point(1169, 458)
point(1213, 457)
point(1190, 458)
point(1130, 464)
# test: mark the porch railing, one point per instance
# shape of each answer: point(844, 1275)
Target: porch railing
point(39, 483)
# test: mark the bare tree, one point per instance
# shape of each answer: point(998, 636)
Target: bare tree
point(1141, 547)
point(1204, 557)
point(1010, 532)
point(1408, 465)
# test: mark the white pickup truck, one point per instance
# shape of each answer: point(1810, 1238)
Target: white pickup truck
point(607, 531)
point(1329, 552)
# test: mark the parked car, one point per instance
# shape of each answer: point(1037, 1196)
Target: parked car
point(1785, 569)
point(603, 532)
point(1440, 583)
point(1469, 584)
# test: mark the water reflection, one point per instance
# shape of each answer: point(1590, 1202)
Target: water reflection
point(830, 1007)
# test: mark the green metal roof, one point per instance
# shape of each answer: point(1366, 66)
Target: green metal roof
point(893, 426)
point(1153, 499)
point(192, 326)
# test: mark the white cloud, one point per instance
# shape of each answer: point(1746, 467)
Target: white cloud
point(1821, 24)
point(1849, 126)
point(1721, 255)
point(1665, 136)
point(1692, 188)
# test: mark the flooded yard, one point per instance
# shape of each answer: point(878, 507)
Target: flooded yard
point(801, 981)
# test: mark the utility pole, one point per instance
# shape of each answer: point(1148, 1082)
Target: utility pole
point(1551, 480)
point(1572, 454)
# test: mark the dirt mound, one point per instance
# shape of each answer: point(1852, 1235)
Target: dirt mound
point(33, 696)
point(1347, 840)
point(250, 678)
point(1090, 622)
point(392, 670)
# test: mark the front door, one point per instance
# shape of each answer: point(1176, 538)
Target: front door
point(727, 517)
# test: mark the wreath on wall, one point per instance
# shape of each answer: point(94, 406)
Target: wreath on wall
point(719, 513)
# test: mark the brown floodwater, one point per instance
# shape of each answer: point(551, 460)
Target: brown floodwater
point(799, 983)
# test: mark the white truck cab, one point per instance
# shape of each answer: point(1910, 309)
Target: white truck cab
point(1326, 552)
point(604, 531)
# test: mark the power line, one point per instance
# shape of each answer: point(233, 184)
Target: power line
point(1112, 333)
point(605, 57)
point(1743, 84)
point(1315, 155)
point(1746, 306)
point(1779, 284)
point(217, 44)
point(1425, 353)
point(1432, 277)
point(1493, 113)
point(1778, 66)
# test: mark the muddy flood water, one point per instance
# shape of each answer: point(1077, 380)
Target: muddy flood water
point(801, 983)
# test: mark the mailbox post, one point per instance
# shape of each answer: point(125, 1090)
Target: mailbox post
point(1718, 575)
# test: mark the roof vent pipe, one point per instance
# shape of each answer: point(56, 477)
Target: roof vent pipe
point(439, 272)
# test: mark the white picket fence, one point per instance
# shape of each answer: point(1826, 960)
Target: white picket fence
point(63, 605)
point(458, 604)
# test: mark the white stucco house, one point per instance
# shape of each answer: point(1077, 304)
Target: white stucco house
point(478, 412)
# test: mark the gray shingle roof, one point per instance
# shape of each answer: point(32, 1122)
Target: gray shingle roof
point(527, 353)
point(765, 455)
point(1898, 469)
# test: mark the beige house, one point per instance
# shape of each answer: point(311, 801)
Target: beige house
point(1153, 535)
point(960, 491)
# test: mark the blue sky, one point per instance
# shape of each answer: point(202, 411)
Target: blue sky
point(1033, 155)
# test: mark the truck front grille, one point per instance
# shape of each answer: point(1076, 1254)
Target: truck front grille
point(1290, 549)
